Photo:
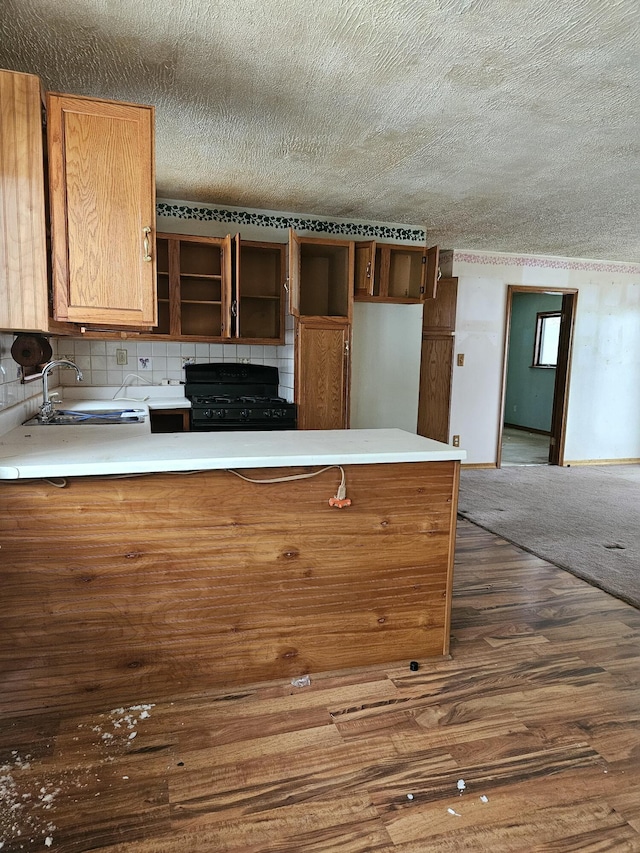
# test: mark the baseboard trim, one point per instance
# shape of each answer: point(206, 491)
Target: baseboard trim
point(577, 462)
point(478, 465)
point(528, 429)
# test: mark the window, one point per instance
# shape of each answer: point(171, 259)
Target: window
point(545, 353)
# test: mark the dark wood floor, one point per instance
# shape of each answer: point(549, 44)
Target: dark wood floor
point(537, 714)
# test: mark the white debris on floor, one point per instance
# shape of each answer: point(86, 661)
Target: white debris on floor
point(28, 796)
point(24, 803)
point(119, 726)
point(461, 785)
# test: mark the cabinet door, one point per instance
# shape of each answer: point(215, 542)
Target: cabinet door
point(365, 269)
point(226, 285)
point(101, 172)
point(436, 363)
point(432, 273)
point(258, 303)
point(293, 273)
point(23, 244)
point(439, 313)
point(434, 402)
point(322, 373)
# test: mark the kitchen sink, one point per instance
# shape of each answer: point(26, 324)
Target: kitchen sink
point(92, 412)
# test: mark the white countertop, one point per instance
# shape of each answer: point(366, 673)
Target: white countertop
point(155, 396)
point(89, 450)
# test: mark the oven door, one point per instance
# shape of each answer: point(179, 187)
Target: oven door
point(206, 419)
point(230, 426)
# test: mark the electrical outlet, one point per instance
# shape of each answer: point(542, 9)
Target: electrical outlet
point(456, 441)
point(122, 356)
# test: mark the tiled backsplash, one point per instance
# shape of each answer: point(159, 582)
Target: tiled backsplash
point(151, 360)
point(156, 361)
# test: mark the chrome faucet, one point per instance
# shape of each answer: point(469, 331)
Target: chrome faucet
point(46, 409)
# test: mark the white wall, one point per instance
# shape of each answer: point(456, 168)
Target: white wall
point(385, 365)
point(603, 419)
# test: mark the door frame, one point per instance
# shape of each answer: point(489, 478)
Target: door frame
point(563, 368)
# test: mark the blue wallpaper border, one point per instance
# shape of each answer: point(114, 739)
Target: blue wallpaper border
point(263, 220)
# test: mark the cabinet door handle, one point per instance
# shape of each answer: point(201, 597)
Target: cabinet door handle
point(368, 273)
point(286, 285)
point(146, 231)
point(234, 308)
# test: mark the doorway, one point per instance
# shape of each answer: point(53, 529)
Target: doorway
point(537, 357)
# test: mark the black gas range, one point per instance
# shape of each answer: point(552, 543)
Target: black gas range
point(230, 396)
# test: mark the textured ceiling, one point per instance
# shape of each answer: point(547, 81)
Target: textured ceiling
point(509, 125)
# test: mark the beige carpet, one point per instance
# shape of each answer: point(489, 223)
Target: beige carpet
point(583, 519)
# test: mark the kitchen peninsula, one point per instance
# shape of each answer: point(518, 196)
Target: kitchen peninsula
point(138, 566)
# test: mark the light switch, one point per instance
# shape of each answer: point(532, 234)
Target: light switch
point(460, 359)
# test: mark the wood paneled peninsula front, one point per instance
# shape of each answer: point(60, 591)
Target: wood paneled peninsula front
point(137, 566)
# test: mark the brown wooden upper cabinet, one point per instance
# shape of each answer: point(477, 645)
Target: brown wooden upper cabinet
point(320, 277)
point(258, 305)
point(102, 197)
point(194, 287)
point(387, 272)
point(23, 238)
point(220, 288)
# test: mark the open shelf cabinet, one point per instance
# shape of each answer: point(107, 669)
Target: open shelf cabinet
point(193, 287)
point(395, 273)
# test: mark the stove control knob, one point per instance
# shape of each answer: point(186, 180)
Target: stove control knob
point(277, 413)
point(220, 413)
point(244, 414)
point(267, 413)
point(208, 413)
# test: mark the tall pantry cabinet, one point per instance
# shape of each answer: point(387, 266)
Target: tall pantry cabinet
point(436, 361)
point(321, 300)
